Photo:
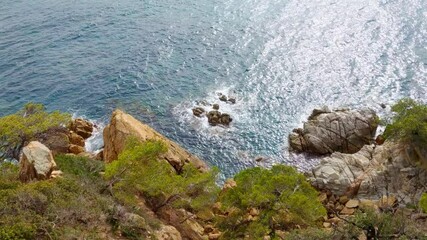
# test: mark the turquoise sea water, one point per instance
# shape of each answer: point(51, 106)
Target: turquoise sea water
point(155, 58)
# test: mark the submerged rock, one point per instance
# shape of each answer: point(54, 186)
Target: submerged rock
point(123, 125)
point(198, 111)
point(36, 162)
point(217, 118)
point(335, 131)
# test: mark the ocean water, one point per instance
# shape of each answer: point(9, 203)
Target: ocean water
point(157, 58)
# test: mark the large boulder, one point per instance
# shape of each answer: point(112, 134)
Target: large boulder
point(328, 131)
point(36, 162)
point(123, 125)
point(374, 171)
point(82, 127)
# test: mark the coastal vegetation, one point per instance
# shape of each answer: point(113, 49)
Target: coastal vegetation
point(17, 129)
point(266, 200)
point(409, 123)
point(128, 198)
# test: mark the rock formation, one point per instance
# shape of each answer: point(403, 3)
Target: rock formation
point(328, 131)
point(82, 127)
point(123, 125)
point(372, 172)
point(36, 162)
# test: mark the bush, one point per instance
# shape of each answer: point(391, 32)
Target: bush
point(142, 173)
point(423, 203)
point(50, 209)
point(281, 198)
point(409, 123)
point(381, 226)
point(20, 128)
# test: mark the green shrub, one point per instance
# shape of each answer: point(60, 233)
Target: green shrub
point(309, 234)
point(20, 128)
point(282, 197)
point(409, 123)
point(382, 226)
point(141, 172)
point(423, 203)
point(49, 209)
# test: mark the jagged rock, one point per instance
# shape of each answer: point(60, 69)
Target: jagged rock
point(123, 125)
point(56, 140)
point(198, 111)
point(340, 131)
point(167, 232)
point(74, 149)
point(372, 172)
point(76, 139)
point(82, 127)
point(36, 162)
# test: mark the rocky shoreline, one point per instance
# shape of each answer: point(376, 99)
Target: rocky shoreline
point(355, 170)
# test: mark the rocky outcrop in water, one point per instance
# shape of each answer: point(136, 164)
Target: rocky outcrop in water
point(82, 127)
point(374, 171)
point(123, 126)
point(36, 162)
point(215, 117)
point(328, 131)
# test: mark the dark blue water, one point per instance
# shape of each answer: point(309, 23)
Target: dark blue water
point(155, 58)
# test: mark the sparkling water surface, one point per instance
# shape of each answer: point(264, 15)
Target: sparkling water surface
point(156, 58)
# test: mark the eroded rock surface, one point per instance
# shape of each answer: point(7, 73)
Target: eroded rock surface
point(374, 171)
point(328, 131)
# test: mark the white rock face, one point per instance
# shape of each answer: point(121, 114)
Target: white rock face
point(36, 162)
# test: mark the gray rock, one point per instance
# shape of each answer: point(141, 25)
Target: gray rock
point(340, 131)
point(372, 172)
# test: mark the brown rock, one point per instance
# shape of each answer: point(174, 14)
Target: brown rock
point(353, 203)
point(74, 149)
point(56, 140)
point(76, 139)
point(323, 197)
point(123, 125)
point(215, 106)
point(36, 162)
point(198, 111)
point(339, 207)
point(343, 199)
point(347, 211)
point(82, 127)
